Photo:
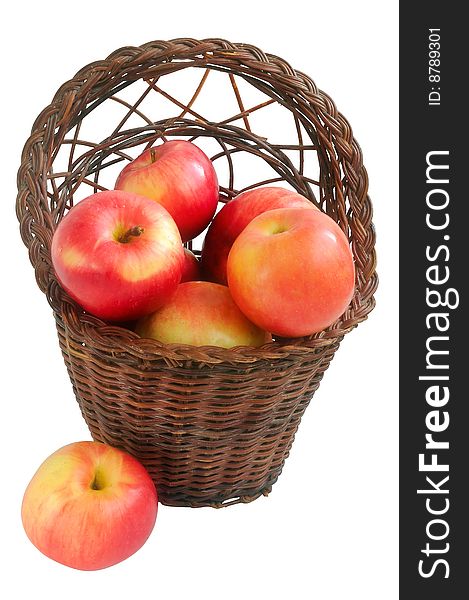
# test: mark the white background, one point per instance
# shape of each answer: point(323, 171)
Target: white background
point(329, 529)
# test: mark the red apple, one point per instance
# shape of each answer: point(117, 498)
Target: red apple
point(233, 218)
point(89, 506)
point(179, 176)
point(119, 255)
point(291, 271)
point(191, 267)
point(202, 314)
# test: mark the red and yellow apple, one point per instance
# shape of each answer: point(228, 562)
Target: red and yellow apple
point(291, 271)
point(191, 268)
point(89, 506)
point(180, 177)
point(233, 218)
point(202, 314)
point(119, 255)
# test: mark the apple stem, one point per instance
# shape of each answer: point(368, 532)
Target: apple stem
point(130, 233)
point(153, 155)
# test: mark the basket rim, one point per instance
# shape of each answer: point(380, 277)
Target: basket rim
point(52, 123)
point(106, 339)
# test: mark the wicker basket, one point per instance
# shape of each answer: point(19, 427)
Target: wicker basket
point(212, 426)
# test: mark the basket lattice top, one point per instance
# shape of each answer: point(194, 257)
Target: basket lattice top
point(320, 159)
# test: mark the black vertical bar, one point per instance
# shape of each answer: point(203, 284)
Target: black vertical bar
point(434, 268)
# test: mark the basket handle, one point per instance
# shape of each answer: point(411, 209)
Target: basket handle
point(343, 177)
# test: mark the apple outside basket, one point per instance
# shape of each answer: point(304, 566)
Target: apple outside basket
point(213, 426)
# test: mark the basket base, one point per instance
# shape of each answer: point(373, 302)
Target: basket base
point(245, 499)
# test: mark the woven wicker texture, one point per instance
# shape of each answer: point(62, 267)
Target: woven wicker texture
point(213, 426)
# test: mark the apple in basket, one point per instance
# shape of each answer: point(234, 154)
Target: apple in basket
point(119, 255)
point(89, 506)
point(291, 271)
point(233, 218)
point(191, 270)
point(202, 314)
point(179, 176)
